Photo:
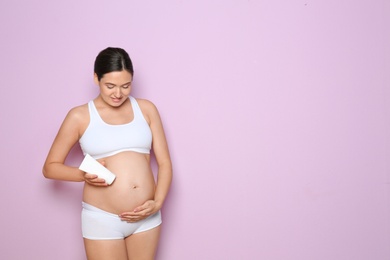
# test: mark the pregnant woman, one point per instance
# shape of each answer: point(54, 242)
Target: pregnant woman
point(121, 220)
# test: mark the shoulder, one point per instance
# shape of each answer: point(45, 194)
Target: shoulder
point(148, 109)
point(146, 105)
point(78, 114)
point(75, 121)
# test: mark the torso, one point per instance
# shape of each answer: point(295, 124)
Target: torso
point(134, 183)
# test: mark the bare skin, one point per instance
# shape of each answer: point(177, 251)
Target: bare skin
point(134, 181)
point(134, 195)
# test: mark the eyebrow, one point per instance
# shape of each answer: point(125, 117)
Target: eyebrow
point(109, 83)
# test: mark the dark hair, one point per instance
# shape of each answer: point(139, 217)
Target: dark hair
point(112, 59)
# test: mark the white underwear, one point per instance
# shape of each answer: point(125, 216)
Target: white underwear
point(97, 224)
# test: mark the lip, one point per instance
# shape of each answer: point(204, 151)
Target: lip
point(116, 100)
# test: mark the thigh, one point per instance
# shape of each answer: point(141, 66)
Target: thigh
point(143, 245)
point(105, 249)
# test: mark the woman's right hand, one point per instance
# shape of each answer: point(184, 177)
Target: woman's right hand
point(94, 180)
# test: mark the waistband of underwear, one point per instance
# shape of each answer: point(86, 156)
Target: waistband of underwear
point(89, 207)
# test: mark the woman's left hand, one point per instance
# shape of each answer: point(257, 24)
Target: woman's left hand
point(140, 212)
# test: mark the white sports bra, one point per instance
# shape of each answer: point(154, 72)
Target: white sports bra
point(102, 140)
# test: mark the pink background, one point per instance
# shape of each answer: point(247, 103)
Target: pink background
point(276, 112)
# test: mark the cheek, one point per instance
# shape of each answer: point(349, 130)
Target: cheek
point(126, 90)
point(104, 91)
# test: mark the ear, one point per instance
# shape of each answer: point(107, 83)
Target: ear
point(96, 79)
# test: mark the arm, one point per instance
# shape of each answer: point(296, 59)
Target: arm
point(161, 151)
point(68, 134)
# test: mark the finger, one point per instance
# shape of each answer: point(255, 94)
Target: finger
point(100, 184)
point(148, 205)
point(90, 176)
point(131, 215)
point(139, 209)
point(129, 218)
point(128, 215)
point(99, 180)
point(96, 181)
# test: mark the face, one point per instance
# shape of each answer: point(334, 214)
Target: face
point(115, 87)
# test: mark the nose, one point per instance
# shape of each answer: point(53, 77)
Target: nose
point(118, 92)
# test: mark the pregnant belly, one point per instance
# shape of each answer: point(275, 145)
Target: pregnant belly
point(134, 184)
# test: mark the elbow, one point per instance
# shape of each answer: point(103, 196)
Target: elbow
point(45, 172)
